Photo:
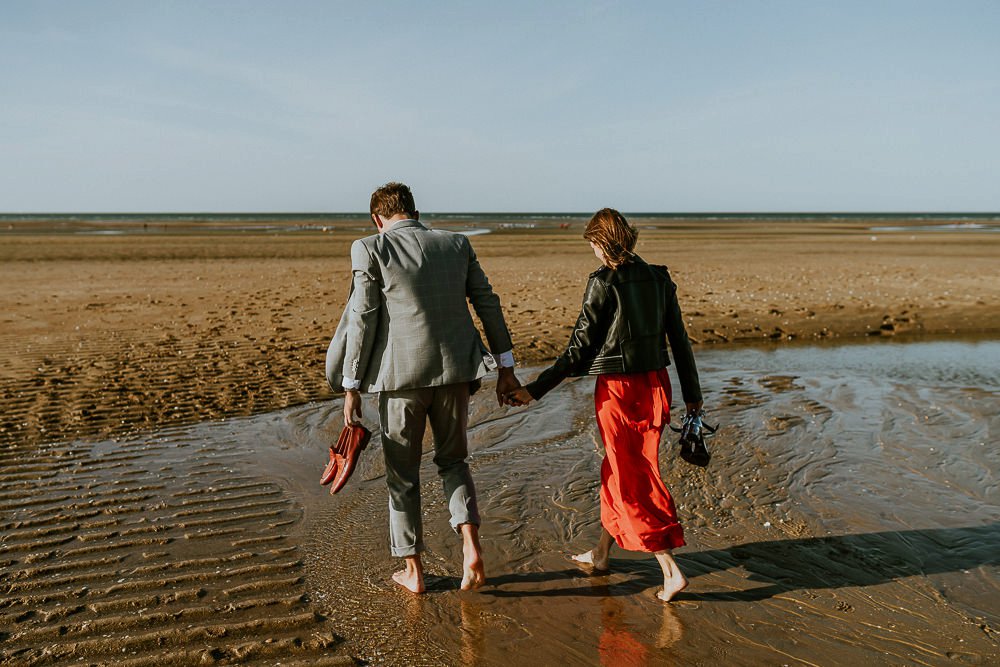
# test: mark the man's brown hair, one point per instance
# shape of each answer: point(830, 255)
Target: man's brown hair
point(612, 233)
point(393, 198)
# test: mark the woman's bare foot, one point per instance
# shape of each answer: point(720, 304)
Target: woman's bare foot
point(674, 580)
point(599, 562)
point(672, 586)
point(599, 558)
point(473, 570)
point(412, 576)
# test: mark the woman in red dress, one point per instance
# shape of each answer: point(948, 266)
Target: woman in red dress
point(629, 314)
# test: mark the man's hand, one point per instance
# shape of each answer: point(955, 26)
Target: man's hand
point(352, 407)
point(506, 383)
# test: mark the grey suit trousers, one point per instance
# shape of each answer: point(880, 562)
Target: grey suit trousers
point(403, 416)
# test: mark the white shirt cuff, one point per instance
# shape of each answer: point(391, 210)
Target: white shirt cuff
point(351, 383)
point(506, 359)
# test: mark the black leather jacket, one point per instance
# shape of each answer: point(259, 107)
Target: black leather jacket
point(628, 315)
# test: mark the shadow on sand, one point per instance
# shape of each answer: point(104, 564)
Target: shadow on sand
point(863, 559)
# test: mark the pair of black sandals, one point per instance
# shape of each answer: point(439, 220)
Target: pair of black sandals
point(692, 441)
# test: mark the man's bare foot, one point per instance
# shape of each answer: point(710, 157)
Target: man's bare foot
point(410, 581)
point(412, 577)
point(473, 572)
point(672, 586)
point(597, 562)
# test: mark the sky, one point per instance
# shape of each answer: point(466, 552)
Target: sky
point(663, 106)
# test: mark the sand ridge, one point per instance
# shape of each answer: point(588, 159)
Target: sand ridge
point(156, 550)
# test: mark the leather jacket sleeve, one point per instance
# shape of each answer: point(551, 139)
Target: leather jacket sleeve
point(585, 341)
point(680, 348)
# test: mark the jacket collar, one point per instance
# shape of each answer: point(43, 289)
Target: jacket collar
point(403, 224)
point(622, 272)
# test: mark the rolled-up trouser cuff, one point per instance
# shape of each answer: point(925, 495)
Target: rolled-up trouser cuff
point(457, 525)
point(403, 552)
point(405, 529)
point(462, 505)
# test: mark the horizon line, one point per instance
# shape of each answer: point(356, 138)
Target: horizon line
point(552, 212)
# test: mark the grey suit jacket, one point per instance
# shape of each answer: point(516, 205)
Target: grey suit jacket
point(407, 322)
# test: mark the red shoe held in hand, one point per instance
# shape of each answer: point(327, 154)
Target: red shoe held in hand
point(344, 456)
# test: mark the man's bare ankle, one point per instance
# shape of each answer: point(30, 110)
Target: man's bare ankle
point(411, 581)
point(473, 575)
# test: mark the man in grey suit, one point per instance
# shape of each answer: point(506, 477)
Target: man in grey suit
point(407, 334)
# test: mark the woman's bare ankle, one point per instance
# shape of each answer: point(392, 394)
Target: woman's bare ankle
point(674, 580)
point(594, 558)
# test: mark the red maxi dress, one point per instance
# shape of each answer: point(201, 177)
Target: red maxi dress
point(636, 507)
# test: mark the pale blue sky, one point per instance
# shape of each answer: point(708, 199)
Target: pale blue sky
point(517, 106)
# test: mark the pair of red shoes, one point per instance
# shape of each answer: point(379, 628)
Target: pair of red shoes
point(344, 456)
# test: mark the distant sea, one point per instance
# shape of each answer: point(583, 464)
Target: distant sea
point(130, 223)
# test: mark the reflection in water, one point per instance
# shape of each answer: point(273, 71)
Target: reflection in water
point(671, 629)
point(624, 643)
point(618, 646)
point(414, 609)
point(471, 652)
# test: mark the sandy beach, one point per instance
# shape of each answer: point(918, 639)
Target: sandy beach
point(165, 417)
point(104, 334)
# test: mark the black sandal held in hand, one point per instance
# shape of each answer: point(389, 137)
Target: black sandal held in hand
point(692, 440)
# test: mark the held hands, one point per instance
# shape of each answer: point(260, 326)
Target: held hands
point(509, 389)
point(518, 397)
point(506, 383)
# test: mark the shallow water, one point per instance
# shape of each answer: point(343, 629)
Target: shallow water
point(850, 514)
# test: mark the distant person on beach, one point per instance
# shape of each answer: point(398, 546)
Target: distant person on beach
point(408, 336)
point(629, 313)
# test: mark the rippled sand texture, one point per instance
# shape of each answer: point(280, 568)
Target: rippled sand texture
point(161, 550)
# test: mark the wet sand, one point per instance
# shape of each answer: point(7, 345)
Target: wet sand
point(850, 515)
point(144, 521)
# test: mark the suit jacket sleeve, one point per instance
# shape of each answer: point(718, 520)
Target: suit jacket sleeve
point(486, 304)
point(363, 312)
point(338, 346)
point(680, 348)
point(587, 337)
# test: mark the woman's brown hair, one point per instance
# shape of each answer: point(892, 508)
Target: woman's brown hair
point(612, 233)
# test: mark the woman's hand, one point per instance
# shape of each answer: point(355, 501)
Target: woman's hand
point(694, 408)
point(518, 397)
